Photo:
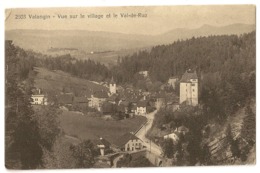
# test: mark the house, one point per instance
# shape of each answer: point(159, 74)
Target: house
point(97, 99)
point(113, 99)
point(144, 73)
point(129, 142)
point(38, 98)
point(174, 136)
point(189, 88)
point(172, 81)
point(103, 145)
point(124, 106)
point(141, 108)
point(80, 101)
point(160, 100)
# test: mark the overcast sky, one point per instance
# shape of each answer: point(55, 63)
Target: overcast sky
point(158, 20)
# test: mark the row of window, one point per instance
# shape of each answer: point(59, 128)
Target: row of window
point(192, 90)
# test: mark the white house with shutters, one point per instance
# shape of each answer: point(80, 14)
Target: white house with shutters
point(38, 98)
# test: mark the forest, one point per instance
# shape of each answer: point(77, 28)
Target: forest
point(225, 66)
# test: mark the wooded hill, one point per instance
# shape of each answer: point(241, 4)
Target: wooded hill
point(225, 66)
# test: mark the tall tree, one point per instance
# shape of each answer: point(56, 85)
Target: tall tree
point(22, 132)
point(84, 153)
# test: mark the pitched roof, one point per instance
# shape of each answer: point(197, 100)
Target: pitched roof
point(108, 107)
point(125, 103)
point(142, 104)
point(86, 93)
point(102, 141)
point(38, 91)
point(188, 75)
point(100, 94)
point(183, 129)
point(121, 141)
point(112, 81)
point(112, 98)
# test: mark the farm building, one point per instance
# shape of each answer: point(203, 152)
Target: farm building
point(129, 142)
point(103, 145)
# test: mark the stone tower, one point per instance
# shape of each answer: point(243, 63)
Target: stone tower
point(112, 86)
point(189, 88)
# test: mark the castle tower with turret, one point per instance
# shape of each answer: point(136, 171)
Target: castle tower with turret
point(189, 88)
point(112, 86)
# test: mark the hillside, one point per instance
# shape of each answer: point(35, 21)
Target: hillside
point(58, 81)
point(85, 44)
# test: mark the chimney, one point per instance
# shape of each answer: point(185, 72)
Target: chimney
point(39, 91)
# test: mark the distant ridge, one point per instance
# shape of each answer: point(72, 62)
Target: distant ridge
point(87, 42)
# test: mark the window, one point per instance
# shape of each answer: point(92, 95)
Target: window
point(193, 90)
point(193, 84)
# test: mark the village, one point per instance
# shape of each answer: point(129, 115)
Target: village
point(118, 102)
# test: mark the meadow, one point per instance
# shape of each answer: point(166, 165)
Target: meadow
point(56, 80)
point(88, 127)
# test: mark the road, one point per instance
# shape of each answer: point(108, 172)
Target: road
point(151, 146)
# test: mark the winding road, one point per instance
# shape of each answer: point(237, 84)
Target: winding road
point(151, 146)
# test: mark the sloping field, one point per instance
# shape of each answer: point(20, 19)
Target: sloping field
point(86, 127)
point(57, 80)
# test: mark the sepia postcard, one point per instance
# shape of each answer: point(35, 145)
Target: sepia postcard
point(130, 86)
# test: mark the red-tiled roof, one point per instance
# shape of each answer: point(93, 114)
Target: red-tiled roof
point(188, 75)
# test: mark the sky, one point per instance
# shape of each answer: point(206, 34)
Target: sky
point(158, 20)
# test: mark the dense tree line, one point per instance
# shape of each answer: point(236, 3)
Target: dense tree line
point(27, 133)
point(225, 66)
point(86, 69)
point(195, 121)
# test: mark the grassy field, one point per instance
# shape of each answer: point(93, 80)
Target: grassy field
point(86, 127)
point(56, 80)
